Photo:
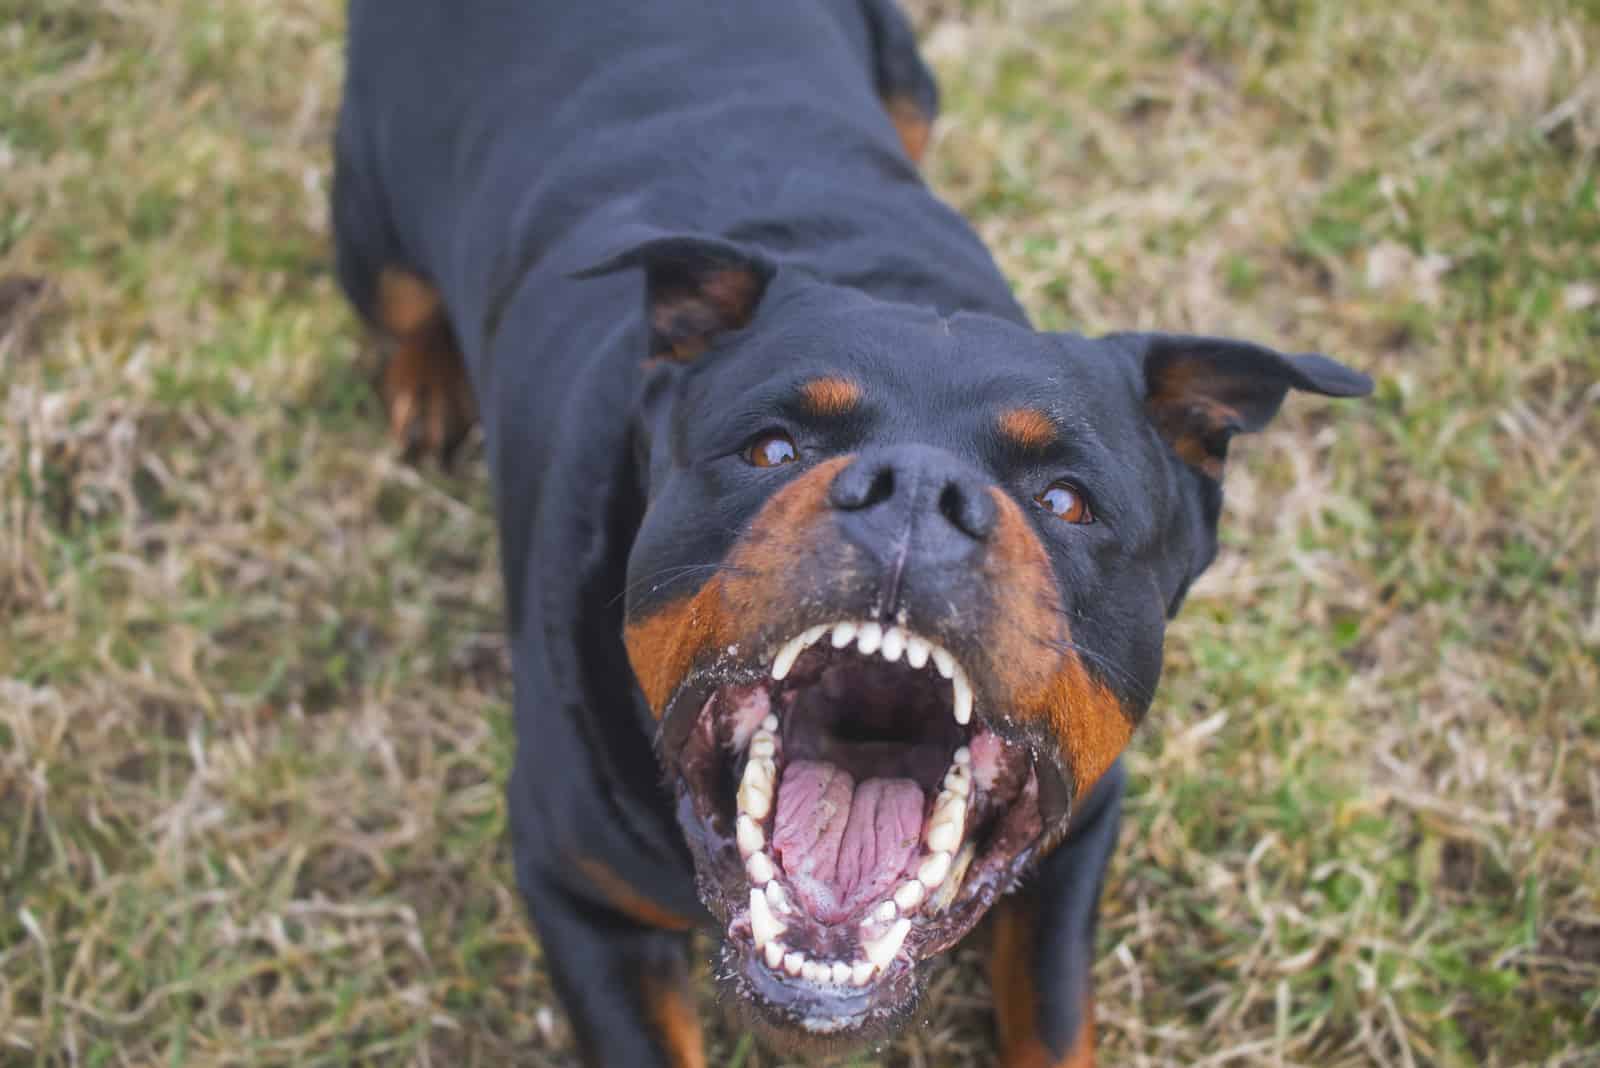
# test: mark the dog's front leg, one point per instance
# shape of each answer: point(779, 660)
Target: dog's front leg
point(1043, 943)
point(625, 984)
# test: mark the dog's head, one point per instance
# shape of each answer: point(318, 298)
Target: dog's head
point(898, 599)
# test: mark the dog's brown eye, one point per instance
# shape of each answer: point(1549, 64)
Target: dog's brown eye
point(772, 449)
point(1065, 501)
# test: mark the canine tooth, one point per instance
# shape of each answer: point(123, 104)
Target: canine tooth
point(843, 634)
point(793, 962)
point(810, 637)
point(894, 643)
point(943, 662)
point(787, 656)
point(958, 781)
point(886, 912)
point(760, 868)
point(841, 973)
point(777, 898)
point(963, 697)
point(764, 926)
point(909, 894)
point(963, 755)
point(952, 883)
point(868, 638)
point(917, 650)
point(881, 950)
point(748, 832)
point(934, 869)
point(773, 954)
point(861, 972)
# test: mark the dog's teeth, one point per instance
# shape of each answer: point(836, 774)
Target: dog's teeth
point(777, 898)
point(944, 833)
point(763, 746)
point(963, 697)
point(755, 789)
point(861, 972)
point(868, 638)
point(770, 725)
point(949, 806)
point(764, 926)
point(894, 643)
point(952, 883)
point(963, 755)
point(841, 973)
point(958, 780)
point(787, 656)
point(748, 832)
point(810, 637)
point(773, 954)
point(881, 950)
point(843, 634)
point(886, 912)
point(943, 662)
point(760, 868)
point(934, 869)
point(909, 895)
point(793, 962)
point(917, 651)
point(814, 971)
point(753, 801)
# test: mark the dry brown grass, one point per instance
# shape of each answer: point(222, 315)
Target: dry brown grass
point(252, 688)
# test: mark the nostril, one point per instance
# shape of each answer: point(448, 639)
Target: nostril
point(863, 486)
point(882, 487)
point(969, 512)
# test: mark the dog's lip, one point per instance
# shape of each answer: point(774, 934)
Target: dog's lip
point(822, 1010)
point(731, 667)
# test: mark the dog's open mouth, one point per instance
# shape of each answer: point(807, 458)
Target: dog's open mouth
point(857, 815)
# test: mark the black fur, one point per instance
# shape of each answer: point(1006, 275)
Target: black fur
point(526, 157)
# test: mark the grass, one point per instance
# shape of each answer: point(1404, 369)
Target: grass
point(253, 691)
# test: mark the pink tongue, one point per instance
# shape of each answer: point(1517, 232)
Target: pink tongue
point(844, 846)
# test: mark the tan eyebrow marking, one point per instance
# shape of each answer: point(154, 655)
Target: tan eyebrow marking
point(830, 395)
point(1028, 428)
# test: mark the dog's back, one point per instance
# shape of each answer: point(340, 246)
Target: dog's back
point(554, 128)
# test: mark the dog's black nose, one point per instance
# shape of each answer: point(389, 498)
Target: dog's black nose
point(913, 504)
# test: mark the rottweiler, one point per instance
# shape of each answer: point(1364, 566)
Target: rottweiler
point(834, 588)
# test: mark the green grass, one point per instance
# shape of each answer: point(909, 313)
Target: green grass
point(253, 719)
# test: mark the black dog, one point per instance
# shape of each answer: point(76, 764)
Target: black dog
point(794, 505)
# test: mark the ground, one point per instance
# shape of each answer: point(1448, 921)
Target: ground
point(253, 694)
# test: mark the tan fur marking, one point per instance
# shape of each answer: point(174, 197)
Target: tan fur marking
point(425, 387)
point(664, 646)
point(1016, 1000)
point(406, 303)
point(830, 396)
point(627, 900)
point(911, 123)
point(1028, 428)
point(1043, 680)
point(677, 1023)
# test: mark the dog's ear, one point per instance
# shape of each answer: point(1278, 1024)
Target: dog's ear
point(695, 289)
point(1200, 391)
